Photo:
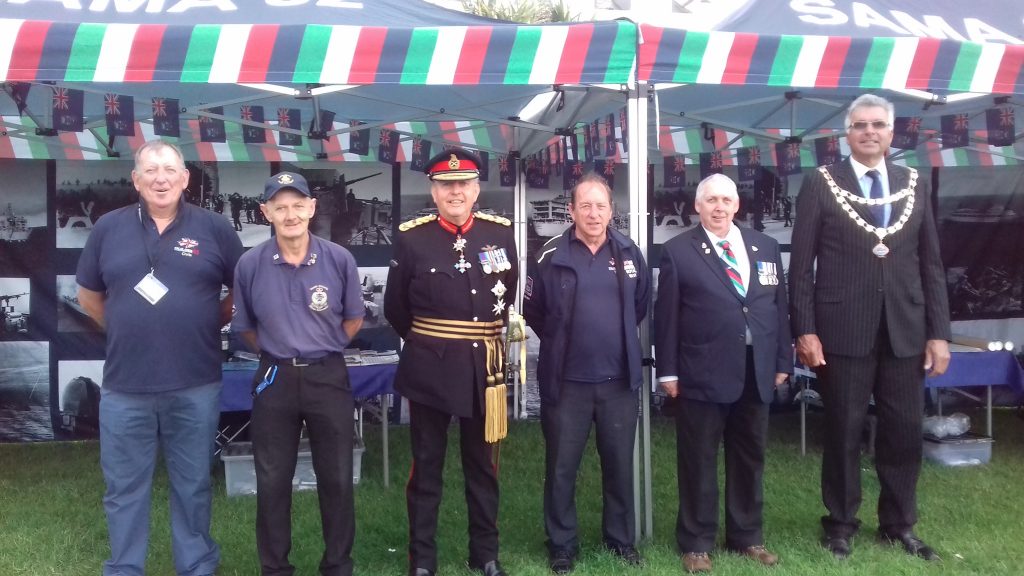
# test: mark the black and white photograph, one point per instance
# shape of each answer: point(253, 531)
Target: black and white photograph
point(78, 395)
point(22, 211)
point(233, 189)
point(353, 202)
point(548, 210)
point(86, 191)
point(373, 281)
point(981, 223)
point(25, 392)
point(766, 204)
point(15, 316)
point(71, 317)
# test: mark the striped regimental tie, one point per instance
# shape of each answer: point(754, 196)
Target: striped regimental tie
point(732, 267)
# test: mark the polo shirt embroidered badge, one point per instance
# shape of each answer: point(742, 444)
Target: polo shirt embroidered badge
point(629, 267)
point(318, 299)
point(187, 247)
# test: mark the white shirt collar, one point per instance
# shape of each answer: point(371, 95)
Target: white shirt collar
point(734, 236)
point(860, 169)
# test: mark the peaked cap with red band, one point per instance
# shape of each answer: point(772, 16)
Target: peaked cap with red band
point(453, 164)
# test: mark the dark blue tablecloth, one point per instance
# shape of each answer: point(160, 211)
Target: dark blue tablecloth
point(367, 381)
point(980, 369)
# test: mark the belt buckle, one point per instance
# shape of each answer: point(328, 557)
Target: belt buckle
point(295, 362)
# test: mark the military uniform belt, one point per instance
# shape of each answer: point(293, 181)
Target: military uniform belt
point(457, 329)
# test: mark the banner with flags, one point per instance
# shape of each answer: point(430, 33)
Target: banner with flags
point(19, 92)
point(358, 140)
point(536, 176)
point(787, 158)
point(749, 164)
point(387, 146)
point(289, 118)
point(507, 170)
point(212, 129)
point(954, 130)
point(827, 150)
point(710, 163)
point(624, 124)
point(253, 134)
point(905, 132)
point(610, 146)
point(572, 174)
point(119, 112)
point(420, 154)
point(606, 168)
point(68, 104)
point(675, 171)
point(165, 117)
point(1001, 126)
point(485, 165)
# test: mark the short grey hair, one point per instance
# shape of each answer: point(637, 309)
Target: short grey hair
point(870, 101)
point(157, 145)
point(721, 182)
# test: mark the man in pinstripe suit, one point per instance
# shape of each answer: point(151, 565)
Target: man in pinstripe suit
point(873, 319)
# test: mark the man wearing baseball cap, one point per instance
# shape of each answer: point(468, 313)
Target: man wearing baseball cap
point(448, 287)
point(299, 303)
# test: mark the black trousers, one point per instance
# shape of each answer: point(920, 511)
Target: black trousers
point(429, 431)
point(700, 427)
point(847, 384)
point(321, 396)
point(612, 407)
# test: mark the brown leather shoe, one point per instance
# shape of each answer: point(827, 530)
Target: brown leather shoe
point(761, 554)
point(694, 562)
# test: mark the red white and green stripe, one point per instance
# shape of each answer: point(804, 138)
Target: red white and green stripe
point(457, 55)
point(672, 55)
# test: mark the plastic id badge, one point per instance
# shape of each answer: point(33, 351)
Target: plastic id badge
point(151, 288)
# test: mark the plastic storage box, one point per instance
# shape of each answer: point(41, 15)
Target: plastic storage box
point(240, 472)
point(965, 450)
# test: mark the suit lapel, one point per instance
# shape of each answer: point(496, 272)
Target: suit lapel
point(706, 251)
point(753, 256)
point(898, 180)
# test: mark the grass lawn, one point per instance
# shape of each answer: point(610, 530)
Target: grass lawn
point(51, 517)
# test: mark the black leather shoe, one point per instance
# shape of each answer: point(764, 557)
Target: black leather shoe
point(627, 554)
point(911, 544)
point(839, 546)
point(492, 568)
point(562, 561)
point(420, 572)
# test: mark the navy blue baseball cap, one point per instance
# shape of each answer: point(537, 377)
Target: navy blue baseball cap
point(285, 181)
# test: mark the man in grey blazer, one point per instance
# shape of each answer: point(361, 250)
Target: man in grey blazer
point(723, 345)
point(872, 319)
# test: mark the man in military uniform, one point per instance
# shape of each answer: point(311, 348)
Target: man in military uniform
point(447, 294)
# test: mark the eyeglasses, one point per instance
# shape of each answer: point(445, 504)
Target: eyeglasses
point(862, 125)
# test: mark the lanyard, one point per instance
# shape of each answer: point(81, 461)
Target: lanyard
point(152, 258)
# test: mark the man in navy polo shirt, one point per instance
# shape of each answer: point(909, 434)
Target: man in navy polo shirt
point(586, 292)
point(299, 302)
point(151, 274)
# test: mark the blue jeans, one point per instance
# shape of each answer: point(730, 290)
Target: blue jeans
point(183, 423)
